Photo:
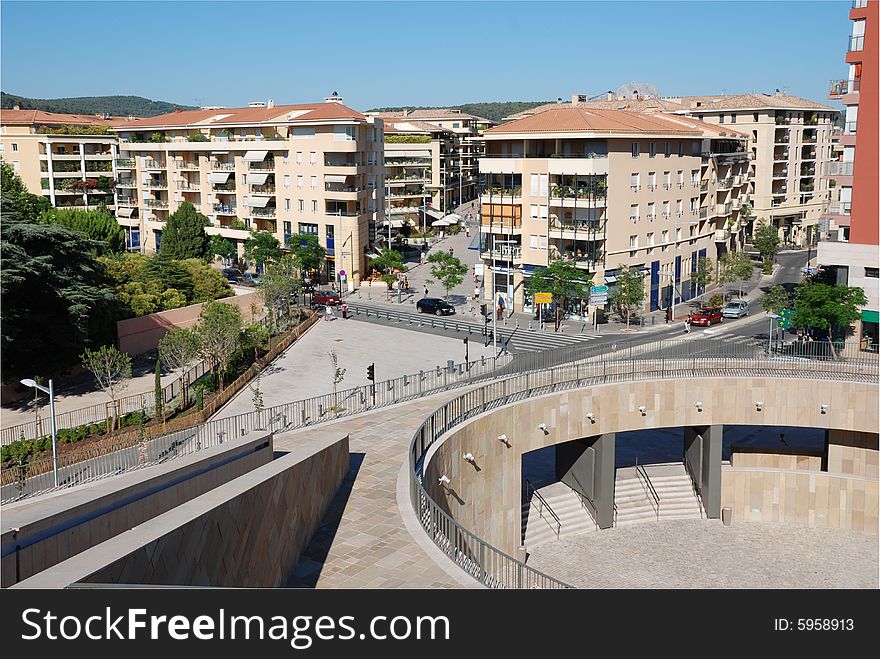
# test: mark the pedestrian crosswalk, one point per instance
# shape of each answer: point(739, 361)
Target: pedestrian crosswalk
point(514, 338)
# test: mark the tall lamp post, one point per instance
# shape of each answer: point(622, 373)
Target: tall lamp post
point(51, 391)
point(350, 252)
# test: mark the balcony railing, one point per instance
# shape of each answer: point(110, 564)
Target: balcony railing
point(187, 165)
point(126, 201)
point(329, 163)
point(722, 235)
point(725, 184)
point(704, 213)
point(222, 166)
point(503, 192)
point(845, 207)
point(262, 212)
point(154, 164)
point(849, 128)
point(505, 252)
point(155, 203)
point(780, 155)
point(856, 43)
point(342, 213)
point(125, 163)
point(156, 185)
point(704, 186)
point(224, 188)
point(808, 154)
point(189, 187)
point(126, 183)
point(263, 189)
point(840, 169)
point(809, 138)
point(262, 166)
point(223, 209)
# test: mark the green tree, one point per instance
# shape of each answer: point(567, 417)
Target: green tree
point(767, 244)
point(307, 251)
point(277, 283)
point(257, 337)
point(125, 267)
point(565, 281)
point(826, 307)
point(222, 247)
point(775, 299)
point(184, 235)
point(29, 206)
point(208, 283)
point(178, 350)
point(112, 371)
point(704, 274)
point(390, 259)
point(57, 299)
point(219, 332)
point(735, 267)
point(630, 291)
point(170, 273)
point(262, 248)
point(446, 269)
point(158, 397)
point(96, 225)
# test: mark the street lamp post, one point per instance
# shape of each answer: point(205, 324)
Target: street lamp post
point(350, 252)
point(771, 316)
point(51, 391)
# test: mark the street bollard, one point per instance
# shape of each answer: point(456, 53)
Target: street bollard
point(530, 325)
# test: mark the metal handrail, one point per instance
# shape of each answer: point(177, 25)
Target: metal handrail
point(532, 490)
point(696, 489)
point(640, 471)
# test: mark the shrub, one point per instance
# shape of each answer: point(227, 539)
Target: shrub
point(716, 300)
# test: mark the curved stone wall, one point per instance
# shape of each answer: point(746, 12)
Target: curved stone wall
point(484, 496)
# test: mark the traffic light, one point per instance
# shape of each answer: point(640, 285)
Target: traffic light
point(484, 309)
point(371, 372)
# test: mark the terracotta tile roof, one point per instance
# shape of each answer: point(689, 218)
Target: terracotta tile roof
point(708, 130)
point(437, 113)
point(630, 104)
point(571, 119)
point(750, 102)
point(223, 116)
point(405, 125)
point(40, 118)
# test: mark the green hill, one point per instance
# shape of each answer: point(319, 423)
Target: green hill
point(118, 106)
point(494, 110)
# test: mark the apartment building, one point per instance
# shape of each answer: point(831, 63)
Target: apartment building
point(790, 140)
point(68, 158)
point(314, 168)
point(856, 262)
point(460, 150)
point(604, 189)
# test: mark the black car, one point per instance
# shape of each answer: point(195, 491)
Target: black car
point(435, 306)
point(232, 274)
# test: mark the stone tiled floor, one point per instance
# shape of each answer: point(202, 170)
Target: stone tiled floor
point(707, 554)
point(363, 542)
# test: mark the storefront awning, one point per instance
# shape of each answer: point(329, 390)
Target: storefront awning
point(218, 177)
point(441, 223)
point(433, 212)
point(257, 202)
point(255, 156)
point(125, 212)
point(870, 316)
point(256, 179)
point(334, 178)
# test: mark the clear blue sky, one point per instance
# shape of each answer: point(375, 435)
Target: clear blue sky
point(416, 53)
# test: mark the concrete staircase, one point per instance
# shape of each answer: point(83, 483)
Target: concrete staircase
point(539, 526)
point(673, 485)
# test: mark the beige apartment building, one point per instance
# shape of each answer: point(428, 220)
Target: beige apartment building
point(68, 158)
point(314, 168)
point(790, 140)
point(604, 189)
point(460, 149)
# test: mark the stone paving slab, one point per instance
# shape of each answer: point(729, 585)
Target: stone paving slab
point(706, 554)
point(363, 541)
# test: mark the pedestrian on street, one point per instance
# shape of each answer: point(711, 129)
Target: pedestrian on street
point(687, 325)
point(328, 313)
point(426, 290)
point(500, 313)
point(476, 292)
point(668, 313)
point(467, 231)
point(344, 310)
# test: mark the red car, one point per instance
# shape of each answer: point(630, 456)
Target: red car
point(323, 298)
point(706, 316)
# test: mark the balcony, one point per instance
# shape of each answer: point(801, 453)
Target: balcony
point(346, 164)
point(498, 192)
point(504, 253)
point(342, 213)
point(808, 154)
point(187, 165)
point(806, 187)
point(217, 166)
point(724, 209)
point(126, 201)
point(267, 165)
point(262, 189)
point(780, 155)
point(845, 208)
point(782, 136)
point(154, 164)
point(809, 137)
point(704, 213)
point(782, 120)
point(840, 169)
point(722, 235)
point(849, 128)
point(725, 184)
point(578, 259)
point(268, 212)
point(186, 186)
point(223, 209)
point(856, 43)
point(125, 163)
point(781, 172)
point(126, 183)
point(225, 188)
point(156, 185)
point(158, 204)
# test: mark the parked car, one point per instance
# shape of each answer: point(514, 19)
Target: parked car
point(249, 279)
point(323, 298)
point(735, 309)
point(232, 274)
point(435, 306)
point(706, 316)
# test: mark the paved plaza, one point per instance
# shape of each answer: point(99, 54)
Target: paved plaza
point(706, 554)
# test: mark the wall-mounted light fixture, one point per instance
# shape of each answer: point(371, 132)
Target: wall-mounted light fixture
point(643, 409)
point(543, 427)
point(443, 480)
point(591, 417)
point(699, 405)
point(468, 457)
point(823, 409)
point(759, 405)
point(503, 439)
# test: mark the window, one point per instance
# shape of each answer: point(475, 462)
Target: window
point(287, 180)
point(634, 212)
point(667, 182)
point(536, 185)
point(680, 149)
point(287, 229)
point(314, 205)
point(680, 178)
point(678, 234)
point(534, 242)
point(303, 133)
point(635, 149)
point(542, 242)
point(695, 148)
point(695, 178)
point(634, 182)
point(534, 211)
point(16, 166)
point(652, 149)
point(666, 150)
point(733, 118)
point(314, 182)
point(343, 133)
point(665, 209)
point(542, 211)
point(287, 204)
point(545, 181)
point(721, 119)
point(299, 157)
point(756, 117)
point(300, 182)
point(302, 205)
point(872, 273)
point(633, 242)
point(679, 208)
point(664, 236)
point(652, 180)
point(700, 117)
point(14, 147)
point(651, 211)
point(285, 159)
point(308, 228)
point(651, 239)
point(693, 205)
point(313, 157)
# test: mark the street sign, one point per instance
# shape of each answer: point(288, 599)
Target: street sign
point(598, 289)
point(342, 273)
point(596, 300)
point(785, 318)
point(543, 298)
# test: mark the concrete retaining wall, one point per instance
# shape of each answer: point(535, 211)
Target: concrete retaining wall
point(42, 532)
point(248, 532)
